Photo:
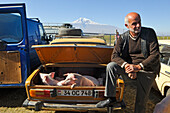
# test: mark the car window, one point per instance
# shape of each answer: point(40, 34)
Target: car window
point(165, 54)
point(10, 27)
point(165, 60)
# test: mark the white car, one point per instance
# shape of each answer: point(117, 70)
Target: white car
point(163, 79)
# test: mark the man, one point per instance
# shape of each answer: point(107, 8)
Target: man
point(116, 37)
point(136, 54)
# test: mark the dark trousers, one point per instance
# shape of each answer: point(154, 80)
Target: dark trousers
point(144, 84)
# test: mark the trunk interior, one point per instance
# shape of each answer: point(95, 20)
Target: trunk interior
point(96, 71)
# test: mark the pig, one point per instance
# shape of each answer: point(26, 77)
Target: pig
point(163, 106)
point(48, 79)
point(79, 80)
point(71, 79)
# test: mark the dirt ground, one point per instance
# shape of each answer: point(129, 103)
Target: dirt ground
point(11, 99)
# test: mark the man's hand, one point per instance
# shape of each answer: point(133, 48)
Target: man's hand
point(131, 68)
point(132, 75)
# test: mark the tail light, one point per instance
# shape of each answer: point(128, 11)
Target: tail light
point(40, 92)
point(100, 93)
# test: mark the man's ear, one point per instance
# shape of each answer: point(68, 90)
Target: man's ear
point(127, 26)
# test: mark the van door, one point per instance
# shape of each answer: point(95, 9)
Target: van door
point(14, 51)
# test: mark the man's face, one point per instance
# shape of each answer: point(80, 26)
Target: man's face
point(134, 24)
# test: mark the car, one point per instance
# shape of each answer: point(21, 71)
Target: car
point(163, 79)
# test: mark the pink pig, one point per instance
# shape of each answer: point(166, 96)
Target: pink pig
point(79, 80)
point(71, 80)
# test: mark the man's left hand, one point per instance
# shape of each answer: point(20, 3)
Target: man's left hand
point(132, 75)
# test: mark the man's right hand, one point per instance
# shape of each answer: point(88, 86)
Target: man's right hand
point(131, 68)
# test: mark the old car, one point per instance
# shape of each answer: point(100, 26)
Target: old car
point(85, 55)
point(163, 79)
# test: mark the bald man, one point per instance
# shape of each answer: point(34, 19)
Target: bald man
point(136, 55)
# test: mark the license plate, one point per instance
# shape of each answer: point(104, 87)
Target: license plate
point(74, 92)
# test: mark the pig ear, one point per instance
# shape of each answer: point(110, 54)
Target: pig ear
point(41, 75)
point(52, 74)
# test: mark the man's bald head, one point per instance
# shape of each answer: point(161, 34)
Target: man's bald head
point(130, 16)
point(133, 23)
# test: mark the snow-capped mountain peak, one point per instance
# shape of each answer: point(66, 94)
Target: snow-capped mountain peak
point(89, 26)
point(84, 21)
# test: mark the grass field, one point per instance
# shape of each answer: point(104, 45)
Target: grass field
point(163, 37)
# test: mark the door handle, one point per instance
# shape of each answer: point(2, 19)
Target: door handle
point(12, 51)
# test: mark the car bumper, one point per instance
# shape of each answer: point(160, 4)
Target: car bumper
point(38, 105)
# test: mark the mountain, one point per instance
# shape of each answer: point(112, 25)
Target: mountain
point(84, 21)
point(89, 26)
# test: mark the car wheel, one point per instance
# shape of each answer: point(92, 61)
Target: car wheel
point(168, 92)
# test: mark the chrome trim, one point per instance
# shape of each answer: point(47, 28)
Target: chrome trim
point(42, 46)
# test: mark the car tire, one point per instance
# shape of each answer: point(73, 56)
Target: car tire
point(168, 92)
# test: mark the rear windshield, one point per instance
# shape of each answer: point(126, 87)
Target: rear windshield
point(10, 27)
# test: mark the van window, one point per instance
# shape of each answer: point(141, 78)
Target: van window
point(42, 34)
point(11, 27)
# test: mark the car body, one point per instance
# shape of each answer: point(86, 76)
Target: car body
point(163, 79)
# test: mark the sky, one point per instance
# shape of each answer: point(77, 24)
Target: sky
point(154, 13)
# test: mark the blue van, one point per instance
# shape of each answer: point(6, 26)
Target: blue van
point(17, 35)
